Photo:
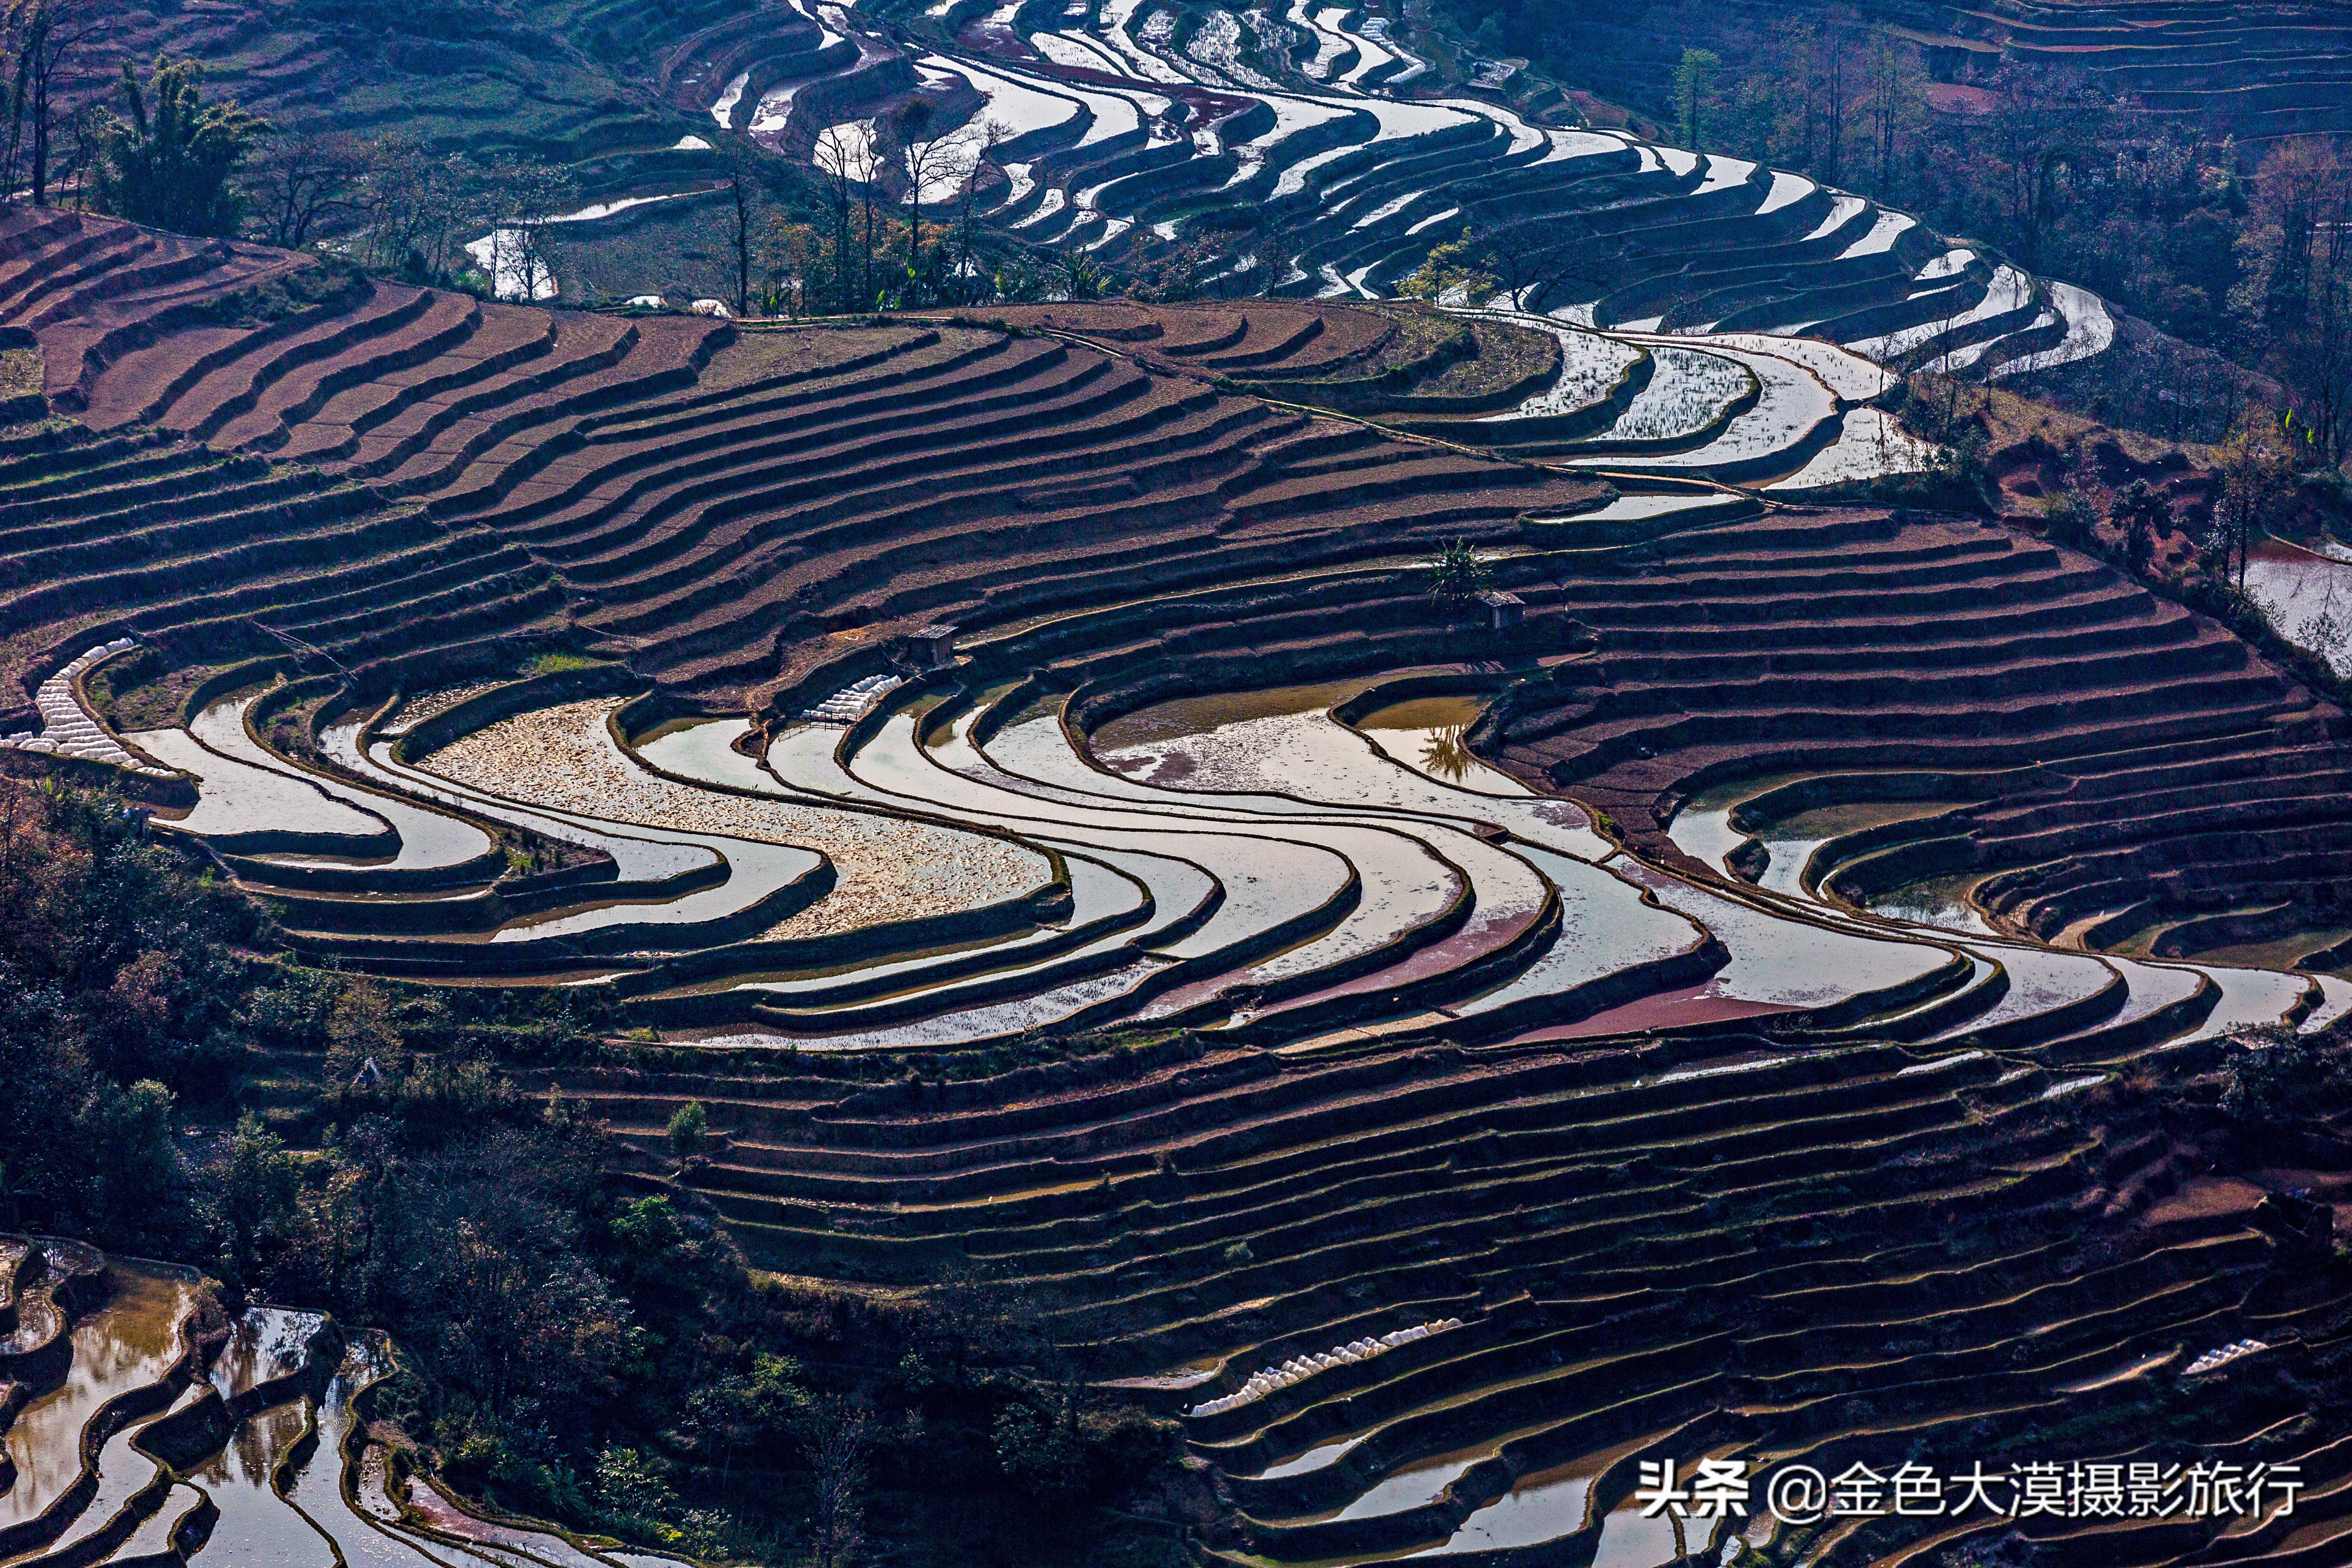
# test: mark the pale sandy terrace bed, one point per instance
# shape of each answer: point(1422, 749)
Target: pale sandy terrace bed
point(429, 704)
point(889, 868)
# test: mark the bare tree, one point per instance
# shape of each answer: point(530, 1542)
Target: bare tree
point(2317, 357)
point(854, 160)
point(2294, 193)
point(837, 1433)
point(303, 177)
point(945, 164)
point(523, 197)
point(910, 132)
point(413, 203)
point(1950, 367)
point(41, 36)
point(739, 195)
point(1526, 255)
point(2039, 119)
point(1515, 252)
point(83, 129)
point(1806, 112)
point(2297, 288)
point(1832, 45)
point(988, 137)
point(1891, 93)
point(832, 157)
point(2257, 471)
point(1275, 246)
point(793, 265)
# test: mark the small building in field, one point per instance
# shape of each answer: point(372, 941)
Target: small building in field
point(932, 646)
point(1504, 610)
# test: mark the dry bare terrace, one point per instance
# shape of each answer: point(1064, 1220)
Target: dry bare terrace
point(699, 499)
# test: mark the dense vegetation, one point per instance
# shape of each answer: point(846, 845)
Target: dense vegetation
point(601, 1356)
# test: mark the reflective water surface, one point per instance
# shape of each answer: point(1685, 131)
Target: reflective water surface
point(127, 1342)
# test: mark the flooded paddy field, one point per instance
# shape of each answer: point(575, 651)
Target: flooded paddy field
point(282, 1472)
point(1379, 864)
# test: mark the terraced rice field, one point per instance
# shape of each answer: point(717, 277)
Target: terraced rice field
point(2083, 793)
point(1745, 1049)
point(2259, 71)
point(1343, 144)
point(725, 515)
point(154, 1429)
point(887, 869)
point(1326, 126)
point(581, 85)
point(2256, 71)
point(1746, 407)
point(755, 518)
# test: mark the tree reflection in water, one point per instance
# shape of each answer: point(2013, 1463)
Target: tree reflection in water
point(1446, 756)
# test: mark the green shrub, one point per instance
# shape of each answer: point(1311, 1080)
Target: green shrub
point(647, 1227)
point(1456, 572)
point(2069, 520)
point(689, 1129)
point(1083, 1454)
point(1039, 1455)
point(628, 1484)
point(167, 160)
point(556, 663)
point(258, 1197)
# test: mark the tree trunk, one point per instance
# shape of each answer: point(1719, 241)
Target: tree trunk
point(865, 274)
point(742, 245)
point(40, 138)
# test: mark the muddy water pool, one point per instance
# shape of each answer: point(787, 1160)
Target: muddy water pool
point(1267, 877)
point(1301, 761)
point(1404, 885)
point(124, 1471)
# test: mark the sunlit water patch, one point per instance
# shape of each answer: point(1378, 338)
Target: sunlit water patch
point(256, 1527)
point(317, 1487)
point(1427, 734)
point(1781, 963)
point(128, 1342)
point(1542, 1506)
point(1258, 747)
point(242, 795)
